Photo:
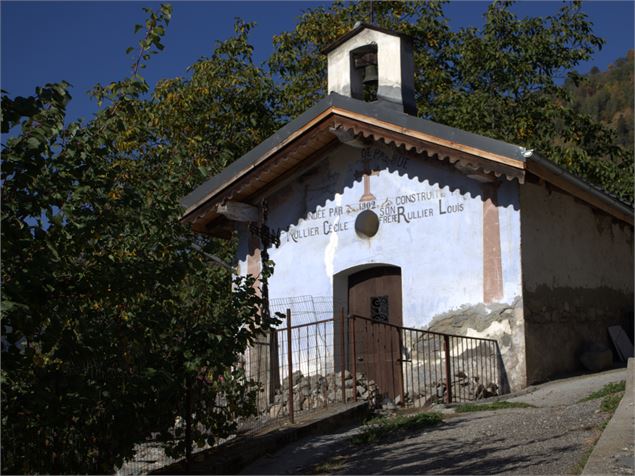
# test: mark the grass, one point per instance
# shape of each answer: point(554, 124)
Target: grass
point(378, 428)
point(579, 467)
point(611, 395)
point(329, 467)
point(481, 407)
point(608, 390)
point(610, 402)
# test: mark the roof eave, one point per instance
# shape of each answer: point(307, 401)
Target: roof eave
point(284, 136)
point(372, 112)
point(361, 26)
point(376, 115)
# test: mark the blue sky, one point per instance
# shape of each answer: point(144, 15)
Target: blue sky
point(85, 42)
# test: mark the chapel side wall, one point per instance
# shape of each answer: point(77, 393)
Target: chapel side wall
point(577, 266)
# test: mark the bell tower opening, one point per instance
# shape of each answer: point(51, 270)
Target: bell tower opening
point(364, 73)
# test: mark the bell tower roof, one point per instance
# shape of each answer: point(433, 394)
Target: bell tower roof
point(358, 27)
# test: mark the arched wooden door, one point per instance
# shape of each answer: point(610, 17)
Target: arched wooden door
point(375, 294)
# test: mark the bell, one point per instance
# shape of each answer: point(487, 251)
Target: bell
point(370, 74)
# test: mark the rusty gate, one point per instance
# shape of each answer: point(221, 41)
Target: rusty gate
point(416, 367)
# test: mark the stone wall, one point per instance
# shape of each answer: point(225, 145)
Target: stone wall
point(502, 322)
point(315, 392)
point(474, 368)
point(577, 267)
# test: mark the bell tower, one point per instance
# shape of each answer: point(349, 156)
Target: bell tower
point(373, 64)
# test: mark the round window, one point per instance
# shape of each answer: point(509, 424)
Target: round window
point(367, 224)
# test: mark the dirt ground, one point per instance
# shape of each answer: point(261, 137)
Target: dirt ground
point(555, 437)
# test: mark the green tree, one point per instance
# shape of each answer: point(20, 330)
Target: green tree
point(112, 325)
point(500, 80)
point(222, 110)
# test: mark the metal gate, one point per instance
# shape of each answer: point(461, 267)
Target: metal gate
point(416, 367)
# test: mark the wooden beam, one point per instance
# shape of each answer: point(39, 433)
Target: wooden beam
point(314, 159)
point(266, 155)
point(207, 209)
point(280, 181)
point(238, 211)
point(430, 138)
point(512, 171)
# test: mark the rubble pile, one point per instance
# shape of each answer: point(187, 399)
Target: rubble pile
point(464, 387)
point(472, 387)
point(317, 391)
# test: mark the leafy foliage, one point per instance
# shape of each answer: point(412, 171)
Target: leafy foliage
point(607, 96)
point(113, 325)
point(221, 111)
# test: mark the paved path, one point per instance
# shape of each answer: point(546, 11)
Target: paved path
point(550, 439)
point(614, 453)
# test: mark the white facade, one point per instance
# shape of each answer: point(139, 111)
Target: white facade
point(431, 226)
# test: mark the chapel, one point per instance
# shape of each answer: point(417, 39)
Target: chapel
point(386, 215)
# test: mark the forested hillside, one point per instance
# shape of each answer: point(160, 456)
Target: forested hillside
point(608, 97)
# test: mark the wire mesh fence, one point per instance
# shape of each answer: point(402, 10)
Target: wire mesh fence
point(305, 309)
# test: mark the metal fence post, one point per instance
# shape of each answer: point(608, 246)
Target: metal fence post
point(448, 382)
point(274, 365)
point(290, 363)
point(401, 364)
point(351, 322)
point(343, 357)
